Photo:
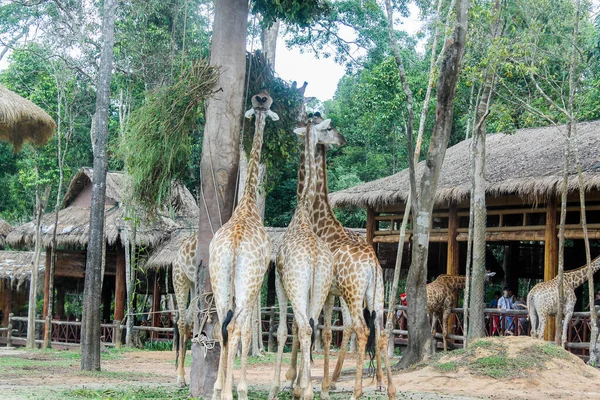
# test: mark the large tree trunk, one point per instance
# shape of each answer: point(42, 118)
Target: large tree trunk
point(90, 321)
point(220, 157)
point(421, 343)
point(269, 42)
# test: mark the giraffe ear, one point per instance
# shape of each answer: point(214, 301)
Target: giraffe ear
point(273, 115)
point(249, 113)
point(300, 131)
point(324, 125)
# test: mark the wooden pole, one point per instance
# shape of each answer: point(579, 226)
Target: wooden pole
point(550, 256)
point(120, 286)
point(452, 264)
point(46, 283)
point(371, 225)
point(155, 303)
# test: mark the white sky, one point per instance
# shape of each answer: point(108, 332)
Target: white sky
point(324, 74)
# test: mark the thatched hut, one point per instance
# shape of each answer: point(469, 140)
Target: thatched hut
point(23, 121)
point(523, 203)
point(15, 275)
point(73, 232)
point(5, 229)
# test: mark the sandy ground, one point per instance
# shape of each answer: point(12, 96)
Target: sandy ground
point(561, 378)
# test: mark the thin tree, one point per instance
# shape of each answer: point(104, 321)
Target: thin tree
point(421, 343)
point(219, 163)
point(90, 321)
point(477, 292)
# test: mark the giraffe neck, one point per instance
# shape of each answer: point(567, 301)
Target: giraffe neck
point(252, 177)
point(307, 193)
point(578, 277)
point(326, 224)
point(457, 282)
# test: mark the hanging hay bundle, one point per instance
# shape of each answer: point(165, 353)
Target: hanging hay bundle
point(156, 145)
point(22, 121)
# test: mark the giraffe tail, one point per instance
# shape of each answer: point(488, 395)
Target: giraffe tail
point(311, 322)
point(224, 331)
point(370, 321)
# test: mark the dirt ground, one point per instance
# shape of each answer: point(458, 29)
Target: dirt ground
point(479, 373)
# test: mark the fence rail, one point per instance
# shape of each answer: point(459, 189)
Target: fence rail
point(497, 322)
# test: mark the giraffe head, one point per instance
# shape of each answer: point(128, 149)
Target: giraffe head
point(323, 132)
point(262, 102)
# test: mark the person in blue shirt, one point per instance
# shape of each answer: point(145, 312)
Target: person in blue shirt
point(494, 302)
point(506, 303)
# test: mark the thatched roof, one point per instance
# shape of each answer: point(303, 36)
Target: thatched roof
point(528, 164)
point(15, 266)
point(22, 121)
point(164, 254)
point(5, 229)
point(73, 219)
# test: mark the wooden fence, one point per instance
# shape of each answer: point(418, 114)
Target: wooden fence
point(498, 322)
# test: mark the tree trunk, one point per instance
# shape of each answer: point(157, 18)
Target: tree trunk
point(269, 42)
point(561, 238)
point(40, 205)
point(421, 343)
point(90, 321)
point(220, 158)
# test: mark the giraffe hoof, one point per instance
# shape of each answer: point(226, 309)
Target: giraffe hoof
point(380, 388)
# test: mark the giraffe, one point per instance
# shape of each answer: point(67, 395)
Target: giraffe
point(542, 300)
point(239, 258)
point(440, 300)
point(304, 266)
point(184, 283)
point(357, 277)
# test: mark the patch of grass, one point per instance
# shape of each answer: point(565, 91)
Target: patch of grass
point(500, 366)
point(481, 344)
point(14, 363)
point(118, 375)
point(450, 366)
point(129, 393)
point(552, 350)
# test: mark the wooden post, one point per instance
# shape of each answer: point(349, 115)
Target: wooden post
point(371, 225)
point(45, 315)
point(46, 283)
point(9, 332)
point(120, 286)
point(550, 256)
point(453, 263)
point(8, 294)
point(155, 303)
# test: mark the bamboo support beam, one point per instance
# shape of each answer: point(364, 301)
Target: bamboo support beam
point(550, 255)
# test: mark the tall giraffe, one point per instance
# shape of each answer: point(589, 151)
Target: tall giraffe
point(357, 277)
point(239, 259)
point(184, 283)
point(542, 300)
point(304, 266)
point(440, 300)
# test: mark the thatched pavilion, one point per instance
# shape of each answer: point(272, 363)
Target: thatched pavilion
point(73, 232)
point(523, 205)
point(5, 229)
point(15, 275)
point(22, 121)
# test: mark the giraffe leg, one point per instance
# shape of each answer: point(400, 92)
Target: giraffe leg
point(234, 331)
point(281, 336)
point(181, 326)
point(378, 352)
point(391, 390)
point(375, 302)
point(218, 387)
point(303, 389)
point(327, 336)
point(242, 389)
point(292, 372)
point(568, 314)
point(541, 327)
point(533, 318)
point(362, 332)
point(347, 318)
point(445, 318)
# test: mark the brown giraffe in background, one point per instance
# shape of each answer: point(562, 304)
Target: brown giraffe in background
point(304, 267)
point(357, 277)
point(542, 300)
point(239, 259)
point(440, 300)
point(184, 283)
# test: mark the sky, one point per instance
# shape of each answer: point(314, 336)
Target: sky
point(324, 74)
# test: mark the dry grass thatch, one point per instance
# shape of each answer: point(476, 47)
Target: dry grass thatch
point(74, 217)
point(528, 164)
point(22, 121)
point(5, 229)
point(15, 266)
